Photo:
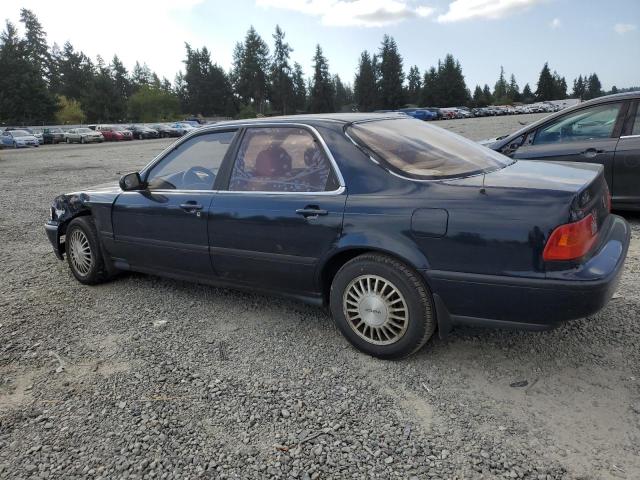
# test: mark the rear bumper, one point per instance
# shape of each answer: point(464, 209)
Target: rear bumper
point(532, 303)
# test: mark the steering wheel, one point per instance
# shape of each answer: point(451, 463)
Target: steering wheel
point(199, 177)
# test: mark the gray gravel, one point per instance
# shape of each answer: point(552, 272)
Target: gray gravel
point(145, 377)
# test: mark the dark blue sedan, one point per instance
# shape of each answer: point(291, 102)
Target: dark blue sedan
point(398, 226)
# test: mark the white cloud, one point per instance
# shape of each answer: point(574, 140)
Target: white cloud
point(555, 23)
point(491, 9)
point(152, 32)
point(622, 28)
point(346, 13)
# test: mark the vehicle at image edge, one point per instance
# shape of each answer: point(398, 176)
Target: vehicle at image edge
point(397, 225)
point(142, 132)
point(18, 139)
point(114, 133)
point(605, 131)
point(83, 135)
point(166, 131)
point(53, 135)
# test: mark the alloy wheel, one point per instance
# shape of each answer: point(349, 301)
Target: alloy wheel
point(80, 252)
point(375, 309)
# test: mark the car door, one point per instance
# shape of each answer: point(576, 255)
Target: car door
point(6, 138)
point(626, 181)
point(164, 227)
point(588, 135)
point(282, 211)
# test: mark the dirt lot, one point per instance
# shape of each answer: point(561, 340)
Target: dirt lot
point(151, 378)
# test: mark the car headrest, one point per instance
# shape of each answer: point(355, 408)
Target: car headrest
point(273, 162)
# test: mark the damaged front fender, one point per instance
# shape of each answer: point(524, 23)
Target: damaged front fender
point(63, 209)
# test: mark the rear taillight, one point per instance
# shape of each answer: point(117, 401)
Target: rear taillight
point(571, 241)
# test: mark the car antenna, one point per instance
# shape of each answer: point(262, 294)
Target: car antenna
point(483, 190)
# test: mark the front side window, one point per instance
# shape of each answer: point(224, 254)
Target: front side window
point(282, 159)
point(586, 124)
point(192, 165)
point(418, 150)
point(636, 123)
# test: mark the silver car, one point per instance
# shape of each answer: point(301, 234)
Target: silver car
point(83, 135)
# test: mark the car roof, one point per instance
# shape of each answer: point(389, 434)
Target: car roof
point(313, 119)
point(595, 101)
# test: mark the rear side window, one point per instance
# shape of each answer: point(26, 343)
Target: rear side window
point(281, 159)
point(636, 123)
point(193, 164)
point(418, 150)
point(589, 123)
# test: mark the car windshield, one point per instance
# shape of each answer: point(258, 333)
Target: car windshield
point(422, 151)
point(84, 130)
point(20, 133)
point(118, 129)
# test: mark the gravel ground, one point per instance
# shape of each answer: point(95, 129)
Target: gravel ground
point(145, 377)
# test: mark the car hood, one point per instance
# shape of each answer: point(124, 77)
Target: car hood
point(25, 137)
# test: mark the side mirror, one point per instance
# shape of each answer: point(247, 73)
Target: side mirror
point(131, 181)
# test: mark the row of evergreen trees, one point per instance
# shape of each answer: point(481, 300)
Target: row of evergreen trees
point(41, 84)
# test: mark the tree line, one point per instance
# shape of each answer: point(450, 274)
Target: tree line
point(41, 84)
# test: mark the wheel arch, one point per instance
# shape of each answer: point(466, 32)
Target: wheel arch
point(338, 258)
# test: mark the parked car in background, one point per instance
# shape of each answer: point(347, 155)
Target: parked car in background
point(18, 139)
point(396, 225)
point(183, 127)
point(605, 130)
point(36, 132)
point(114, 133)
point(419, 113)
point(53, 135)
point(83, 135)
point(142, 132)
point(166, 131)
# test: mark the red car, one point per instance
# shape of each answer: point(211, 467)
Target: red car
point(114, 133)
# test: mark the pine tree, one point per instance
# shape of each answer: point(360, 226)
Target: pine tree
point(546, 87)
point(430, 95)
point(578, 88)
point(36, 47)
point(391, 75)
point(299, 88)
point(594, 87)
point(451, 85)
point(322, 94)
point(414, 85)
point(250, 70)
point(478, 97)
point(364, 86)
point(24, 96)
point(500, 90)
point(282, 90)
point(513, 90)
point(486, 92)
point(341, 94)
point(141, 76)
point(614, 90)
point(527, 94)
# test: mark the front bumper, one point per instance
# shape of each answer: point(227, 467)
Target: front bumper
point(533, 303)
point(53, 234)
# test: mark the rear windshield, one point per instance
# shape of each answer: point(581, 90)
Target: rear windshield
point(418, 150)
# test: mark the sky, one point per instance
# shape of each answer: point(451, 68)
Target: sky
point(574, 36)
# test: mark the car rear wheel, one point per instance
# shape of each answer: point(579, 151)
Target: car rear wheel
point(68, 140)
point(81, 139)
point(382, 306)
point(84, 255)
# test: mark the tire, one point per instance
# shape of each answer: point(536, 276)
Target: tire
point(68, 141)
point(15, 144)
point(84, 254)
point(381, 336)
point(81, 139)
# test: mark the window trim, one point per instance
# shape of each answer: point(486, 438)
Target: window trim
point(316, 136)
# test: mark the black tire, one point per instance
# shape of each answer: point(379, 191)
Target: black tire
point(15, 144)
point(68, 141)
point(97, 272)
point(421, 321)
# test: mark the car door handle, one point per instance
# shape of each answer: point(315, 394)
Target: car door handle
point(591, 152)
point(311, 212)
point(191, 207)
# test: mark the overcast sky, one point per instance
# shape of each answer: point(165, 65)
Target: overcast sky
point(574, 36)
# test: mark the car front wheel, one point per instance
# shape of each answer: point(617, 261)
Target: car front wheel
point(83, 251)
point(382, 306)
